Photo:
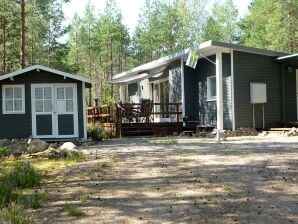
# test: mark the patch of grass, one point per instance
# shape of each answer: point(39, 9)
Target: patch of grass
point(166, 141)
point(83, 199)
point(15, 214)
point(73, 211)
point(4, 152)
point(31, 199)
point(24, 175)
point(21, 175)
point(226, 188)
point(115, 158)
point(76, 157)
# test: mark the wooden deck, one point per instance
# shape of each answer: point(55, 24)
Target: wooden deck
point(133, 120)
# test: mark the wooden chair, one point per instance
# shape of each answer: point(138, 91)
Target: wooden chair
point(145, 110)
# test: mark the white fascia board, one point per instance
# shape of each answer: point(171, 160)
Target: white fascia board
point(36, 67)
point(161, 61)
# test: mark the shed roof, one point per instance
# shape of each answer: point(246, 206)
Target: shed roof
point(289, 59)
point(207, 48)
point(47, 69)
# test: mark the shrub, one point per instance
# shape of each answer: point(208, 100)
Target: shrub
point(75, 157)
point(3, 152)
point(15, 214)
point(24, 175)
point(95, 132)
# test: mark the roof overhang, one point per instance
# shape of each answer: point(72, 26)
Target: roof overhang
point(207, 48)
point(289, 59)
point(50, 70)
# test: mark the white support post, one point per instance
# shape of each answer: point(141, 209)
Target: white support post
point(84, 110)
point(122, 93)
point(232, 91)
point(219, 94)
point(182, 89)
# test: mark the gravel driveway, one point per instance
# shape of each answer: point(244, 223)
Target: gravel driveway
point(183, 180)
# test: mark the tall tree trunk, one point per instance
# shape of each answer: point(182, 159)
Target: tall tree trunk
point(22, 36)
point(4, 42)
point(111, 67)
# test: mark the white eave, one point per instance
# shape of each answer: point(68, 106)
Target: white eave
point(207, 48)
point(43, 68)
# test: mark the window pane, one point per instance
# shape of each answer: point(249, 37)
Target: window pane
point(48, 106)
point(69, 106)
point(9, 105)
point(38, 93)
point(60, 93)
point(8, 93)
point(69, 93)
point(47, 93)
point(18, 93)
point(39, 105)
point(213, 87)
point(18, 105)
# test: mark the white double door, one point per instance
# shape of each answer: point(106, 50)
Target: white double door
point(54, 110)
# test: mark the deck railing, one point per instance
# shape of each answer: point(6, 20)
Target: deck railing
point(132, 112)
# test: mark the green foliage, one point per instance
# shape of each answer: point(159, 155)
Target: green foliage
point(15, 214)
point(73, 211)
point(271, 24)
point(97, 133)
point(32, 200)
point(24, 175)
point(75, 157)
point(21, 175)
point(4, 152)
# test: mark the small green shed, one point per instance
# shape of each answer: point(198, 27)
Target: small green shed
point(43, 103)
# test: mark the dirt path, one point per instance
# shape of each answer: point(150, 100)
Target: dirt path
point(194, 181)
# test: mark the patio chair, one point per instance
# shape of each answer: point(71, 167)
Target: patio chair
point(128, 111)
point(145, 110)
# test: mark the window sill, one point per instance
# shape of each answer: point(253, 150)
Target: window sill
point(22, 112)
point(210, 100)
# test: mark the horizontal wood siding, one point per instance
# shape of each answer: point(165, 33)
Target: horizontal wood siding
point(256, 68)
point(290, 95)
point(20, 125)
point(197, 106)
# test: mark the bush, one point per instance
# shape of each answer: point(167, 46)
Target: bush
point(95, 133)
point(24, 175)
point(15, 214)
point(4, 152)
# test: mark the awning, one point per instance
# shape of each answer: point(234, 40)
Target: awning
point(157, 72)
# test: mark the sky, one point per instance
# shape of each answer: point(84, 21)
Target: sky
point(129, 8)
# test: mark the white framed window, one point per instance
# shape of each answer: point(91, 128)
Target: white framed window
point(211, 88)
point(13, 99)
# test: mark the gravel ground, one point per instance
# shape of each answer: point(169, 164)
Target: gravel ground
point(179, 180)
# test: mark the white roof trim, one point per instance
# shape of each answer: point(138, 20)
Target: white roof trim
point(130, 79)
point(204, 46)
point(51, 70)
point(288, 56)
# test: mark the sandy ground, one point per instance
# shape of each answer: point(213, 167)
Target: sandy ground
point(154, 180)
